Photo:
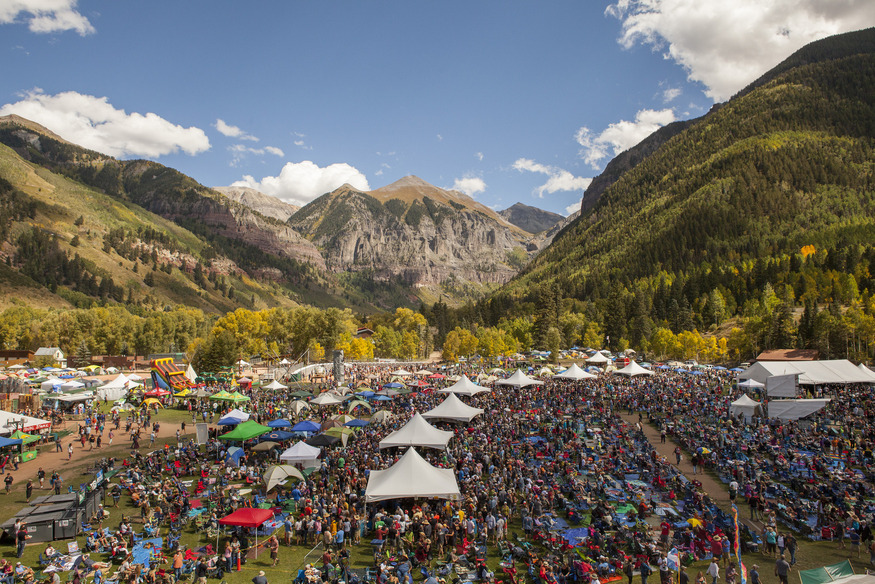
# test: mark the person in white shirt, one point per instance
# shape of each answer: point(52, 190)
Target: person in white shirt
point(714, 570)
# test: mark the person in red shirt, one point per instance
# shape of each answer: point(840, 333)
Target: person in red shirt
point(664, 532)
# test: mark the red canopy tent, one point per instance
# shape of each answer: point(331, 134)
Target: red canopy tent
point(157, 392)
point(247, 517)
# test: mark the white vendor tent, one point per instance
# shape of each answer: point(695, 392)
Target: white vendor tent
point(751, 384)
point(452, 408)
point(115, 388)
point(574, 373)
point(633, 369)
point(794, 409)
point(519, 379)
point(862, 367)
point(239, 415)
point(401, 373)
point(326, 399)
point(464, 387)
point(597, 359)
point(190, 374)
point(412, 476)
point(9, 422)
point(810, 372)
point(50, 383)
point(274, 385)
point(747, 406)
point(417, 432)
point(302, 453)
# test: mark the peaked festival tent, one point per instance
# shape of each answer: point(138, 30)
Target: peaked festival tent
point(464, 387)
point(326, 399)
point(233, 418)
point(633, 369)
point(747, 406)
point(519, 379)
point(597, 359)
point(417, 432)
point(794, 409)
point(574, 373)
point(810, 372)
point(452, 408)
point(412, 476)
point(274, 385)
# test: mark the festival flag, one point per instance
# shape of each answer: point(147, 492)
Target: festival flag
point(737, 537)
point(743, 571)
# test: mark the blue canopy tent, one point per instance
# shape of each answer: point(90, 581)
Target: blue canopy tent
point(9, 442)
point(276, 436)
point(306, 426)
point(357, 423)
point(394, 385)
point(279, 423)
point(366, 393)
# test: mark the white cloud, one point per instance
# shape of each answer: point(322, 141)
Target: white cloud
point(45, 16)
point(573, 208)
point(301, 182)
point(92, 122)
point(559, 179)
point(233, 131)
point(621, 135)
point(727, 45)
point(671, 94)
point(470, 185)
point(240, 152)
point(440, 138)
point(479, 156)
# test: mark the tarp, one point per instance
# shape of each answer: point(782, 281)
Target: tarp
point(633, 369)
point(412, 476)
point(417, 432)
point(246, 431)
point(782, 385)
point(519, 379)
point(747, 406)
point(452, 408)
point(464, 387)
point(810, 372)
point(831, 573)
point(574, 373)
point(794, 409)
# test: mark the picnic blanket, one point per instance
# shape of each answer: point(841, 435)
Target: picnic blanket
point(142, 552)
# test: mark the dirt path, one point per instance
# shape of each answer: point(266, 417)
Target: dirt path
point(715, 488)
point(50, 460)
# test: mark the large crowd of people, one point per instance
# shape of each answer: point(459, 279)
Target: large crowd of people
point(551, 476)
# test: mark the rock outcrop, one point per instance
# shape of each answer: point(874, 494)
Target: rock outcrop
point(258, 201)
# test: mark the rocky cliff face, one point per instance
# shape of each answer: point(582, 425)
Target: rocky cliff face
point(258, 201)
point(531, 219)
point(147, 185)
point(414, 230)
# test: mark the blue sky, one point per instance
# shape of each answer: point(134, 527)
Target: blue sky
point(505, 100)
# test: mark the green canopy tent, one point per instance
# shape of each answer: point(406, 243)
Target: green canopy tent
point(246, 431)
point(220, 396)
point(237, 397)
point(827, 574)
point(25, 438)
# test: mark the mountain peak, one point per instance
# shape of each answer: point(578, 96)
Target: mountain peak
point(531, 219)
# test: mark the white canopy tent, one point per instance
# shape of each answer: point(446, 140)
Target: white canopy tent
point(633, 369)
point(810, 372)
point(464, 387)
point(401, 373)
point(747, 406)
point(597, 359)
point(303, 454)
point(115, 388)
point(274, 385)
point(452, 408)
point(412, 476)
point(519, 379)
point(574, 373)
point(417, 432)
point(862, 367)
point(236, 414)
point(794, 409)
point(50, 383)
point(751, 384)
point(9, 422)
point(190, 374)
point(326, 399)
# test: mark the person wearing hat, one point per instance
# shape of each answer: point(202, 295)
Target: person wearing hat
point(753, 577)
point(260, 579)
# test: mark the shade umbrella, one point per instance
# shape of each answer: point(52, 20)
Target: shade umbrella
point(323, 440)
point(279, 423)
point(299, 406)
point(306, 426)
point(437, 376)
point(265, 446)
point(356, 403)
point(277, 474)
point(382, 398)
